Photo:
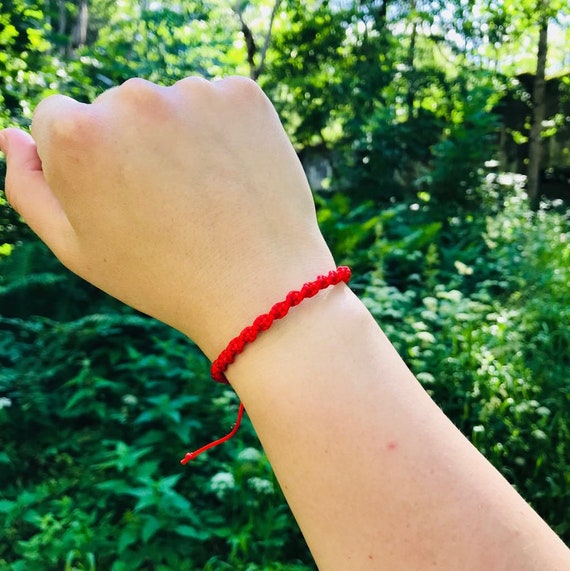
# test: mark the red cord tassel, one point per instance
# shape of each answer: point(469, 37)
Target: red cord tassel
point(191, 455)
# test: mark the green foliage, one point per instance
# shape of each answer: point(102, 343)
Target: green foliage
point(162, 42)
point(484, 327)
point(460, 155)
point(97, 403)
point(32, 282)
point(95, 414)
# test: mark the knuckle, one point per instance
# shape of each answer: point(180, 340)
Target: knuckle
point(244, 94)
point(135, 85)
point(45, 106)
point(137, 91)
point(73, 125)
point(193, 87)
point(241, 88)
point(248, 99)
point(61, 120)
point(192, 82)
point(66, 132)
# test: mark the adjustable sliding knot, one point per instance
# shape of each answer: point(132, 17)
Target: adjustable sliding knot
point(250, 333)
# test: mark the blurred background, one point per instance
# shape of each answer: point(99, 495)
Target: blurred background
point(435, 135)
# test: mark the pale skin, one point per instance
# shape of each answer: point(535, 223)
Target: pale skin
point(189, 204)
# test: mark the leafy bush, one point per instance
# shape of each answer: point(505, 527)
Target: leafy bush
point(490, 341)
point(95, 414)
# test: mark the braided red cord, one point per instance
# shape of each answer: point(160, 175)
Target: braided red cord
point(278, 311)
point(250, 333)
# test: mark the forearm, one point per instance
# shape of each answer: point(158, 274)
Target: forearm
point(376, 475)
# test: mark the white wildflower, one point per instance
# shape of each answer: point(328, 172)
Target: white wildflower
point(261, 485)
point(249, 455)
point(221, 483)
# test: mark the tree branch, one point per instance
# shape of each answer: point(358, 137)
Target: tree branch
point(249, 40)
point(261, 66)
point(256, 70)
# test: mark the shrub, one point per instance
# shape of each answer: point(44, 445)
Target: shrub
point(94, 416)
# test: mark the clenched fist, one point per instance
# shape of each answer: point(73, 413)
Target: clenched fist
point(186, 202)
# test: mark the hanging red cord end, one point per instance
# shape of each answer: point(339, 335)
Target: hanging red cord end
point(191, 455)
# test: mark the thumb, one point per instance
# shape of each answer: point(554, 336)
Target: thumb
point(27, 190)
point(24, 167)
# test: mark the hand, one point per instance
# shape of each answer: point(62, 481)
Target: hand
point(186, 202)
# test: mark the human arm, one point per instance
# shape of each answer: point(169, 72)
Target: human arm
point(190, 204)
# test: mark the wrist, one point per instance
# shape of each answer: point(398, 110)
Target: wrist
point(234, 304)
point(278, 311)
point(292, 349)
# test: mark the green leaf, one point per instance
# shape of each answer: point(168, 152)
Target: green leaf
point(150, 528)
point(6, 506)
point(116, 486)
point(191, 532)
point(168, 482)
point(127, 537)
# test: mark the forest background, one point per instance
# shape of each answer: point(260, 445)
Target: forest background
point(426, 129)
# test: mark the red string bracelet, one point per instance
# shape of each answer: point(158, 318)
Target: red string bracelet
point(250, 333)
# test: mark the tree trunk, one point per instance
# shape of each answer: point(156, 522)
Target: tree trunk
point(261, 67)
point(538, 113)
point(80, 32)
point(62, 20)
point(410, 96)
